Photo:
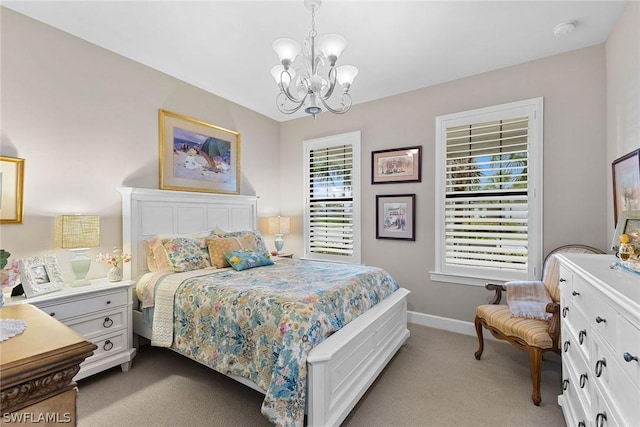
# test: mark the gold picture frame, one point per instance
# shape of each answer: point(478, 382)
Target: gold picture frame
point(198, 156)
point(11, 190)
point(40, 275)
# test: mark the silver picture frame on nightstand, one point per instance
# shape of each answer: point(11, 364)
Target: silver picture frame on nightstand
point(40, 275)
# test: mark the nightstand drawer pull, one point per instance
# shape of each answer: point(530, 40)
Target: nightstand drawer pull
point(108, 345)
point(629, 357)
point(581, 335)
point(107, 323)
point(583, 380)
point(599, 365)
point(600, 320)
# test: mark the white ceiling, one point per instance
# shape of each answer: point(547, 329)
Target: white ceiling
point(224, 47)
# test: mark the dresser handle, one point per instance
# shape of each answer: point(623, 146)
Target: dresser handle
point(583, 380)
point(52, 314)
point(600, 320)
point(582, 424)
point(562, 280)
point(566, 345)
point(581, 335)
point(565, 384)
point(629, 357)
point(600, 419)
point(107, 323)
point(108, 301)
point(599, 365)
point(565, 310)
point(575, 294)
point(108, 345)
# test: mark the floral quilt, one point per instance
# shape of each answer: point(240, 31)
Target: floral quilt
point(261, 323)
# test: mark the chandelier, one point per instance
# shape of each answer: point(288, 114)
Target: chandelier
point(310, 77)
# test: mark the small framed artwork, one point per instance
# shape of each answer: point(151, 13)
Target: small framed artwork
point(198, 156)
point(626, 184)
point(629, 224)
point(11, 187)
point(395, 217)
point(40, 275)
point(396, 165)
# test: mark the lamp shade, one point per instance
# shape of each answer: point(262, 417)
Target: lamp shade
point(287, 50)
point(346, 74)
point(332, 45)
point(279, 225)
point(77, 231)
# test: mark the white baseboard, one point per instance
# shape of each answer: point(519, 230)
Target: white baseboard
point(445, 323)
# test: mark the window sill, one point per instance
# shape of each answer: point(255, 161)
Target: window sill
point(460, 280)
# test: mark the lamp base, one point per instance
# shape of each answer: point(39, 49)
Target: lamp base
point(279, 243)
point(80, 265)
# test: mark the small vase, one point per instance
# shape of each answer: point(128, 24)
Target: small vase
point(114, 274)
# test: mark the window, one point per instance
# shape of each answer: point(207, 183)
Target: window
point(489, 194)
point(332, 199)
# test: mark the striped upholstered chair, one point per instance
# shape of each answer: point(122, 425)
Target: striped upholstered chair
point(532, 335)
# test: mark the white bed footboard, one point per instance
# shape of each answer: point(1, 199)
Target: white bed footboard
point(342, 368)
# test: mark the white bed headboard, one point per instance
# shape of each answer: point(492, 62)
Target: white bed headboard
point(148, 212)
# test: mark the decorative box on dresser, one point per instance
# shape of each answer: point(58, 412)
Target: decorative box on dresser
point(37, 369)
point(101, 312)
point(600, 342)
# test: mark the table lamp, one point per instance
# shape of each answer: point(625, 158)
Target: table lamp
point(279, 226)
point(78, 233)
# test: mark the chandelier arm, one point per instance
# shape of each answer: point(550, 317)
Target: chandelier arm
point(292, 110)
point(332, 83)
point(345, 106)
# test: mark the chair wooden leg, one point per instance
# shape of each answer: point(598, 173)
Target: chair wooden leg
point(478, 353)
point(535, 357)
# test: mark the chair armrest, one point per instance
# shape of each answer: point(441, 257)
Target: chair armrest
point(554, 323)
point(498, 288)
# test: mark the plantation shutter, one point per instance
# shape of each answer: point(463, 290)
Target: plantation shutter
point(332, 218)
point(486, 194)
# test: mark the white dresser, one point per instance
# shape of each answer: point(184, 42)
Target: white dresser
point(101, 312)
point(600, 342)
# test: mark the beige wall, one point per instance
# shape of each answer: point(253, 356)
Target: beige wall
point(86, 121)
point(623, 94)
point(575, 204)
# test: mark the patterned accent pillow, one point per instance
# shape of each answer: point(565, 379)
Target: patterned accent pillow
point(186, 254)
point(243, 260)
point(259, 241)
point(219, 245)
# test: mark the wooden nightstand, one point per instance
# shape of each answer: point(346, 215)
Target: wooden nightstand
point(38, 366)
point(101, 312)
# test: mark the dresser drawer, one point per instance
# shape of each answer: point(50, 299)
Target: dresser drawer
point(108, 344)
point(95, 324)
point(576, 324)
point(618, 389)
point(600, 315)
point(82, 306)
point(628, 349)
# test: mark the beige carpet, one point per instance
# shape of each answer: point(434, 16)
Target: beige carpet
point(434, 380)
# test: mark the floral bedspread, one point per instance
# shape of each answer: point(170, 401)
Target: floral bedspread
point(261, 323)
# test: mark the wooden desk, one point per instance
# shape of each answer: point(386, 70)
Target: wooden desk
point(37, 369)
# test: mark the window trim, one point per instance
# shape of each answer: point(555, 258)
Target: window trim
point(349, 138)
point(533, 108)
